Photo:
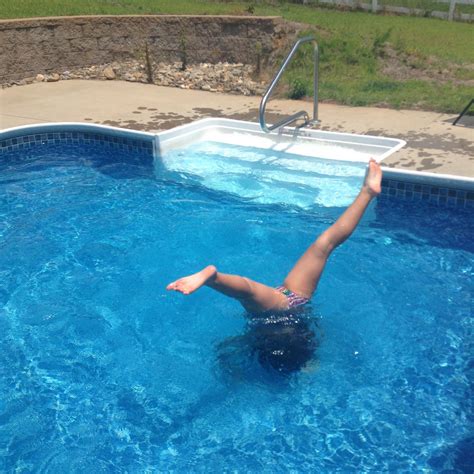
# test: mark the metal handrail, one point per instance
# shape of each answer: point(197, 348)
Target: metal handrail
point(268, 92)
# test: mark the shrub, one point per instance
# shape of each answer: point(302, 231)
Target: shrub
point(298, 89)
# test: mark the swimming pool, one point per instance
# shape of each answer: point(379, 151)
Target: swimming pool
point(103, 370)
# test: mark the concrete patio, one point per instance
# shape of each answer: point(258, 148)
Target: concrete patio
point(433, 143)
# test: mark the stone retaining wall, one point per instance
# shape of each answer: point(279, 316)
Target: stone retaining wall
point(45, 45)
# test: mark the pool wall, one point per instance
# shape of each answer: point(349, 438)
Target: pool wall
point(53, 133)
point(438, 189)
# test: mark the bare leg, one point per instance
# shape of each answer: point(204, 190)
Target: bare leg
point(304, 276)
point(254, 296)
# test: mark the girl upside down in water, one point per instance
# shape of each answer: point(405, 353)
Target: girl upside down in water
point(301, 283)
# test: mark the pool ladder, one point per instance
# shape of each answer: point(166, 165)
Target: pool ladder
point(271, 87)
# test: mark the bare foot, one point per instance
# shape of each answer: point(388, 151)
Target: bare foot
point(373, 178)
point(191, 283)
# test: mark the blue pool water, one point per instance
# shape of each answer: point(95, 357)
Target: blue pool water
point(102, 370)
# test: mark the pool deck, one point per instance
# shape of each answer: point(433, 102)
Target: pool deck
point(433, 143)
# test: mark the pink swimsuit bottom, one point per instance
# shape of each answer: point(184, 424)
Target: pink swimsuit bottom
point(292, 298)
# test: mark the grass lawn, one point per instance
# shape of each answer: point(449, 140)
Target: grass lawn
point(366, 59)
point(426, 5)
point(429, 5)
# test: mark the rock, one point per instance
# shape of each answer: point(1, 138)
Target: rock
point(109, 73)
point(53, 77)
point(228, 77)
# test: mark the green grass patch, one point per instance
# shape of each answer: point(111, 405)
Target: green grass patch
point(351, 46)
point(465, 75)
point(427, 5)
point(407, 95)
point(39, 8)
